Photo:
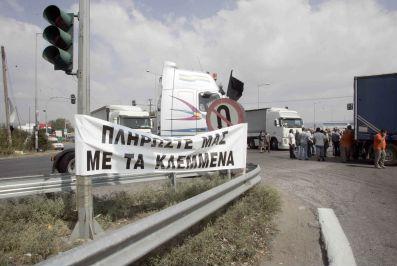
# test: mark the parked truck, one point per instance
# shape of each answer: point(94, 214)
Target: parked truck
point(375, 108)
point(275, 121)
point(184, 99)
point(126, 115)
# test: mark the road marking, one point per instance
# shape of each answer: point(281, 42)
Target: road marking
point(338, 247)
point(31, 176)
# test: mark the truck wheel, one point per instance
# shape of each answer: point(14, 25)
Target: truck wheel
point(274, 144)
point(66, 165)
point(251, 143)
point(391, 155)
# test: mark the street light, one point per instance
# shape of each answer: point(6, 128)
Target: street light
point(35, 92)
point(46, 104)
point(261, 85)
point(155, 84)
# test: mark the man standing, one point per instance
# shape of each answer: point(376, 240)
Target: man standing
point(261, 138)
point(319, 141)
point(297, 142)
point(335, 137)
point(346, 143)
point(267, 141)
point(291, 139)
point(304, 137)
point(379, 148)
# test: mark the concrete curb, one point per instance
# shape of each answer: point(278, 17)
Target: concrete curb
point(338, 248)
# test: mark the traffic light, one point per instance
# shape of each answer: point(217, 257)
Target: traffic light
point(349, 106)
point(60, 35)
point(72, 98)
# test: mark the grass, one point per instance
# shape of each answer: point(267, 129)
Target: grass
point(239, 236)
point(21, 141)
point(33, 228)
point(122, 206)
point(36, 227)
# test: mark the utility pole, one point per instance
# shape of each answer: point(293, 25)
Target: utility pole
point(150, 107)
point(6, 103)
point(314, 115)
point(86, 226)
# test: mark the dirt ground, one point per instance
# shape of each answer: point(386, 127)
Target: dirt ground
point(297, 242)
point(363, 198)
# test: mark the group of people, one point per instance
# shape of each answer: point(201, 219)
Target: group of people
point(308, 143)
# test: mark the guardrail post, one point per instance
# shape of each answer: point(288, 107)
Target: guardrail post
point(173, 180)
point(229, 174)
point(86, 227)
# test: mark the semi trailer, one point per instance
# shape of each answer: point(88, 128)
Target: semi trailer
point(375, 108)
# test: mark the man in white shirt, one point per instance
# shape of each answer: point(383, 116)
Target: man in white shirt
point(319, 140)
point(291, 140)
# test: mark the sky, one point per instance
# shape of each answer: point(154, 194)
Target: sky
point(307, 50)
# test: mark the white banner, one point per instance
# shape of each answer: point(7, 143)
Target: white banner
point(104, 147)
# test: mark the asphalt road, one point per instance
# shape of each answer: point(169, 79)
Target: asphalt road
point(363, 198)
point(34, 164)
point(22, 166)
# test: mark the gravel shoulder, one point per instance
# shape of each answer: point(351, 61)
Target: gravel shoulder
point(363, 198)
point(297, 240)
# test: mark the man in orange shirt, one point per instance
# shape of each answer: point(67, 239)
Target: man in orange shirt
point(346, 143)
point(379, 148)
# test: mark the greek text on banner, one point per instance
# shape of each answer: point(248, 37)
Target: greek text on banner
point(104, 147)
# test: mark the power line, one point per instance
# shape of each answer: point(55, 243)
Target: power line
point(303, 100)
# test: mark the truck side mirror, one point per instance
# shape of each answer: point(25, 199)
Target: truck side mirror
point(276, 123)
point(206, 94)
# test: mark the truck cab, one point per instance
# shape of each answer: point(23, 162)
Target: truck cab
point(130, 116)
point(184, 101)
point(279, 121)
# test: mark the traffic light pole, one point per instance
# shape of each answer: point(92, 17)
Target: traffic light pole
point(86, 227)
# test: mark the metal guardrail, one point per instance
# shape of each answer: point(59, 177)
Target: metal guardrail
point(11, 187)
point(131, 242)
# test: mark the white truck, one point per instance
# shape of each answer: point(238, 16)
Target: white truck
point(275, 121)
point(126, 115)
point(184, 100)
point(181, 111)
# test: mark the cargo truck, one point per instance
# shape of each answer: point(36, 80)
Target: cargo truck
point(184, 99)
point(130, 116)
point(275, 121)
point(375, 108)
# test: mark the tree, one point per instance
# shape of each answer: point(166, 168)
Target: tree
point(59, 124)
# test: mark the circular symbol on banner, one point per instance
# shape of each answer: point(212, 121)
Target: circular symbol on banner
point(224, 113)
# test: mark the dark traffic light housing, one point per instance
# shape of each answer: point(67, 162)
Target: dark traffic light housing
point(72, 98)
point(60, 35)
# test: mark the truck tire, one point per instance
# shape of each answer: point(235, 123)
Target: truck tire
point(274, 144)
point(66, 164)
point(391, 155)
point(251, 143)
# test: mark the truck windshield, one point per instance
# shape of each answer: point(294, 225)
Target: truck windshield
point(205, 99)
point(135, 122)
point(291, 122)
